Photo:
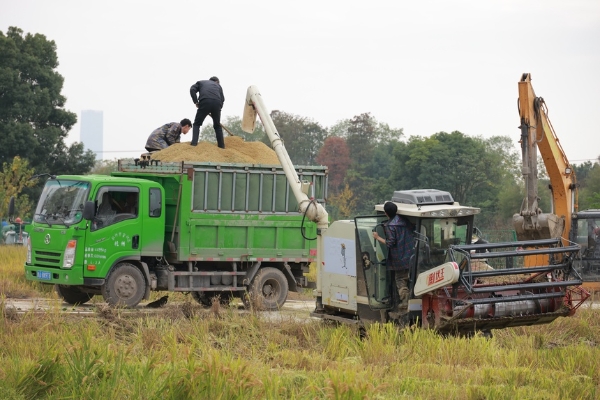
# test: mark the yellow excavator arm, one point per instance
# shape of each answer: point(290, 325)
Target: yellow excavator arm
point(537, 134)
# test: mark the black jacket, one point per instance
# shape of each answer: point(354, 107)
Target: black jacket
point(207, 90)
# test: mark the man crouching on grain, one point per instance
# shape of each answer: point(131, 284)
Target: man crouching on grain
point(168, 134)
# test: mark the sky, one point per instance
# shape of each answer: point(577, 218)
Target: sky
point(423, 66)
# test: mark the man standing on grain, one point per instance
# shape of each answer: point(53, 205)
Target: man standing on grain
point(208, 98)
point(401, 244)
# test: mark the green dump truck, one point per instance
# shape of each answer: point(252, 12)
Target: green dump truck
point(210, 229)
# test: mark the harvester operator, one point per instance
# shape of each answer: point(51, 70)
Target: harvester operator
point(401, 244)
point(168, 134)
point(208, 98)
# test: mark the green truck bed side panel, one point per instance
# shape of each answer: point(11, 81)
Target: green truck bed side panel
point(234, 211)
point(229, 236)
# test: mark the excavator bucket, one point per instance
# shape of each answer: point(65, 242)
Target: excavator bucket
point(508, 294)
point(541, 226)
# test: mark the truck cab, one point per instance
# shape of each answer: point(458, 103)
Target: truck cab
point(125, 223)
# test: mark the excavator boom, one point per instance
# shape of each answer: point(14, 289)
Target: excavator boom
point(537, 134)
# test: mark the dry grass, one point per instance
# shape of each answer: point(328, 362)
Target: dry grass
point(12, 275)
point(185, 351)
point(193, 352)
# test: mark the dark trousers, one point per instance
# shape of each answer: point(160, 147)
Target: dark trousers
point(205, 107)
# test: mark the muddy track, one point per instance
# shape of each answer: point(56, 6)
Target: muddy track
point(296, 309)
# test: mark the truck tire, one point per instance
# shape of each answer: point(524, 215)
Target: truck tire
point(72, 295)
point(206, 298)
point(125, 286)
point(269, 289)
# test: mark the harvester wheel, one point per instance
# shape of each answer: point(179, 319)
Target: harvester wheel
point(268, 291)
point(206, 298)
point(125, 286)
point(72, 294)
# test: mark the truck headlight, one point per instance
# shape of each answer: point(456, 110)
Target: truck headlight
point(28, 259)
point(69, 257)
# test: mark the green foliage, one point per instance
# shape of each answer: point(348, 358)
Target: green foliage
point(33, 121)
point(105, 167)
point(234, 124)
point(14, 178)
point(475, 171)
point(39, 379)
point(302, 137)
point(589, 194)
point(448, 161)
point(582, 171)
point(593, 201)
point(362, 139)
point(343, 205)
point(371, 145)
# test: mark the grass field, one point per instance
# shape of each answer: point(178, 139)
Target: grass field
point(189, 352)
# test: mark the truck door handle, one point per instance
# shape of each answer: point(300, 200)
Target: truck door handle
point(135, 242)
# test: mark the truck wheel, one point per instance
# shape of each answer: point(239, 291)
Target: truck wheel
point(206, 298)
point(125, 286)
point(72, 294)
point(269, 289)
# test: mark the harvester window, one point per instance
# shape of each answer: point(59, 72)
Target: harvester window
point(435, 237)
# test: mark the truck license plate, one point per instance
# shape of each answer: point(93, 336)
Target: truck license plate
point(44, 275)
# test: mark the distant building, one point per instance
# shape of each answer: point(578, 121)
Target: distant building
point(92, 131)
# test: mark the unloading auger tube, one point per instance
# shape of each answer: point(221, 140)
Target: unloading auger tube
point(310, 208)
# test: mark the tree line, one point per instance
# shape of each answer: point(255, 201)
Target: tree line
point(33, 121)
point(367, 159)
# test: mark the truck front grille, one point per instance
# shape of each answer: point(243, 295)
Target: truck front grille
point(47, 259)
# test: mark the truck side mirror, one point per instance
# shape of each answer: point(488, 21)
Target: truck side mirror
point(89, 210)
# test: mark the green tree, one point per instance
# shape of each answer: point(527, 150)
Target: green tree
point(371, 146)
point(362, 138)
point(497, 211)
point(453, 162)
point(105, 167)
point(582, 171)
point(14, 178)
point(589, 195)
point(343, 205)
point(302, 137)
point(33, 121)
point(234, 125)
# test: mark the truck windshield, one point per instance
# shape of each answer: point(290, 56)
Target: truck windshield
point(62, 202)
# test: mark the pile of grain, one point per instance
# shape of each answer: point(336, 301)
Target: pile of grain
point(236, 151)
